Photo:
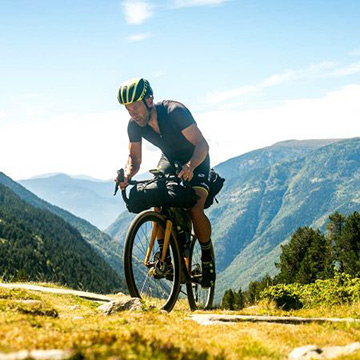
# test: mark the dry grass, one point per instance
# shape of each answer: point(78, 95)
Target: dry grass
point(67, 322)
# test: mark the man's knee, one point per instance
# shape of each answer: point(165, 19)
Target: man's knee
point(202, 195)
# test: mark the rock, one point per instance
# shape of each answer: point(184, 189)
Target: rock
point(330, 352)
point(78, 318)
point(37, 355)
point(305, 353)
point(75, 307)
point(29, 302)
point(126, 303)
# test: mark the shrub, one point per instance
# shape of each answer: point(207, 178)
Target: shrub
point(342, 289)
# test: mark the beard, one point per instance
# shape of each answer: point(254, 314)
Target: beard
point(144, 120)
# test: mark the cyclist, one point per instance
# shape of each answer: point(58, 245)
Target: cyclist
point(170, 126)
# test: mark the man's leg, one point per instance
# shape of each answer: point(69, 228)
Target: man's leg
point(202, 228)
point(201, 222)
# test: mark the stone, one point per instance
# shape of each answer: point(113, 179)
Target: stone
point(126, 303)
point(313, 352)
point(37, 355)
point(306, 353)
point(29, 302)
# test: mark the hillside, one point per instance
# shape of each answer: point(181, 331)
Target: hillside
point(38, 245)
point(261, 208)
point(268, 156)
point(106, 246)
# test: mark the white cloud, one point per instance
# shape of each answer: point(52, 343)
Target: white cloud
point(3, 115)
point(92, 144)
point(355, 52)
point(348, 70)
point(137, 11)
point(312, 71)
point(231, 133)
point(97, 144)
point(189, 3)
point(138, 37)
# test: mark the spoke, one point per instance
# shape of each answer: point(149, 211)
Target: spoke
point(141, 250)
point(138, 259)
point(146, 280)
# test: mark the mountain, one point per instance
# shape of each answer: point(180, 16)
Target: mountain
point(104, 245)
point(37, 245)
point(85, 197)
point(260, 208)
point(270, 155)
point(119, 227)
point(268, 194)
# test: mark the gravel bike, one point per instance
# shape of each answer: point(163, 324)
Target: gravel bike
point(148, 272)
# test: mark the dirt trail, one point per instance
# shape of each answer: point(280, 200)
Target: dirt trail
point(82, 294)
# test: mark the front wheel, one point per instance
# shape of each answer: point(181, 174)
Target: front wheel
point(198, 297)
point(153, 281)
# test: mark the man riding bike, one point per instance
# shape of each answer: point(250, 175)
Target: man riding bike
point(170, 126)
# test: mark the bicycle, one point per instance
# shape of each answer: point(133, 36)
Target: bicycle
point(148, 272)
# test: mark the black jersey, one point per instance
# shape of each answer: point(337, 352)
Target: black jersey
point(172, 117)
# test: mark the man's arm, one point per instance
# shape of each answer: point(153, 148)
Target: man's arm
point(133, 163)
point(194, 135)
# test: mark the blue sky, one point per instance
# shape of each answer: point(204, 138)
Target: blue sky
point(251, 72)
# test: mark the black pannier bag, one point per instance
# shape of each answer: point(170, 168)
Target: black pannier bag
point(216, 183)
point(160, 193)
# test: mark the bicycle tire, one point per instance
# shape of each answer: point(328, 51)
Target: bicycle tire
point(160, 292)
point(198, 298)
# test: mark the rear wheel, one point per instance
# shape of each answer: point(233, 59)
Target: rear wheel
point(198, 297)
point(156, 282)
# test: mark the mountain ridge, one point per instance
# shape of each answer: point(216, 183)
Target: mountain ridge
point(106, 246)
point(311, 188)
point(39, 245)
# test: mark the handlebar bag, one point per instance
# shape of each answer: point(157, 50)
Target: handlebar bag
point(160, 193)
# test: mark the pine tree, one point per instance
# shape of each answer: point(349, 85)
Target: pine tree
point(239, 300)
point(348, 245)
point(334, 231)
point(228, 300)
point(305, 258)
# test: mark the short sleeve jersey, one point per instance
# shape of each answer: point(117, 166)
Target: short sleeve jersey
point(173, 117)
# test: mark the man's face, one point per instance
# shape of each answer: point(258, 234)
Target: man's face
point(138, 112)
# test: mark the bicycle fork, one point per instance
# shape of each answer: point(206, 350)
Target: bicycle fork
point(154, 232)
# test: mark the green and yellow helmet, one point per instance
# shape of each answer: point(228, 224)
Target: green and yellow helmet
point(134, 90)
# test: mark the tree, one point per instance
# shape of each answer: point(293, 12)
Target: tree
point(306, 258)
point(334, 231)
point(228, 300)
point(256, 287)
point(348, 245)
point(239, 300)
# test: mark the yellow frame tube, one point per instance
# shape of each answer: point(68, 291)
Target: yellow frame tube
point(166, 239)
point(151, 242)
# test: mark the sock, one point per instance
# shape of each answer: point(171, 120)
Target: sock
point(161, 246)
point(206, 251)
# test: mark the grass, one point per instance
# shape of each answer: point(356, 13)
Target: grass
point(52, 321)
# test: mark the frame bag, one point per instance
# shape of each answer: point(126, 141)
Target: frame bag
point(216, 182)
